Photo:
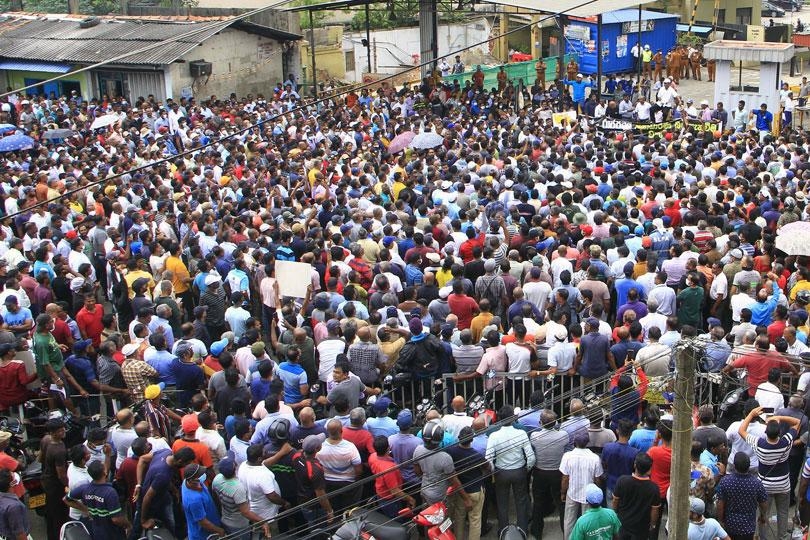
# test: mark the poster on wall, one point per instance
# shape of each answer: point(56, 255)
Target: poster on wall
point(590, 46)
point(621, 46)
point(605, 48)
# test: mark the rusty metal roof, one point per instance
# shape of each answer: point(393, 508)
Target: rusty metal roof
point(159, 41)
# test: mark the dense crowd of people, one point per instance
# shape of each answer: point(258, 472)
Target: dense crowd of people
point(137, 268)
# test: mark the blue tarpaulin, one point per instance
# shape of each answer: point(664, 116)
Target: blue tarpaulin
point(24, 65)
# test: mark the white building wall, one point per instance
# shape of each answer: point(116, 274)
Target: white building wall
point(241, 62)
point(399, 47)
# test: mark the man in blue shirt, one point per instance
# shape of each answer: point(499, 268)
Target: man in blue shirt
point(100, 501)
point(578, 89)
point(202, 517)
point(764, 119)
point(294, 378)
point(17, 320)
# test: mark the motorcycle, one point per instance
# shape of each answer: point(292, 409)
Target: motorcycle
point(428, 404)
point(512, 532)
point(390, 384)
point(74, 530)
point(374, 525)
point(482, 404)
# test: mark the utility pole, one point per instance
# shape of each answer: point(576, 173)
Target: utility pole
point(680, 470)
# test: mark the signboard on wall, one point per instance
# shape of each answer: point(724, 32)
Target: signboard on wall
point(577, 31)
point(632, 27)
point(756, 33)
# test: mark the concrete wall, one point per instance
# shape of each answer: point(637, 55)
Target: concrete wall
point(393, 49)
point(242, 63)
point(705, 9)
point(330, 61)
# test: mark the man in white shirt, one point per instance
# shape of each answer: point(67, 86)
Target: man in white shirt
point(341, 463)
point(653, 319)
point(579, 468)
point(768, 394)
point(260, 483)
point(458, 419)
point(666, 97)
point(642, 110)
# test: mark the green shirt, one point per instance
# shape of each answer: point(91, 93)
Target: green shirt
point(46, 352)
point(596, 524)
point(690, 301)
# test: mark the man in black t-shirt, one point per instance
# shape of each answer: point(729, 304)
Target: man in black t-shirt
point(311, 483)
point(637, 501)
point(471, 468)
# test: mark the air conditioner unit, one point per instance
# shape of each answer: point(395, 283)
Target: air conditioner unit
point(200, 68)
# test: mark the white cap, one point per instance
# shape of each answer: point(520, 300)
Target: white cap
point(704, 102)
point(579, 75)
point(667, 80)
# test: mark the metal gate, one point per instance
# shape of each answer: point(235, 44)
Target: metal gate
point(143, 83)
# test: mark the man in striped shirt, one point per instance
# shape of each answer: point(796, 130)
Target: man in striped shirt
point(773, 451)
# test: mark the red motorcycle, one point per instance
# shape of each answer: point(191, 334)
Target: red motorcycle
point(364, 524)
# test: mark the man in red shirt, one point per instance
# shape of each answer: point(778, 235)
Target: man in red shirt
point(357, 435)
point(13, 378)
point(89, 319)
point(465, 250)
point(760, 363)
point(464, 307)
point(388, 486)
point(61, 331)
point(661, 455)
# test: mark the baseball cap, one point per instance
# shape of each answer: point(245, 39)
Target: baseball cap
point(405, 419)
point(218, 346)
point(257, 348)
point(382, 404)
point(190, 423)
point(227, 467)
point(697, 505)
point(152, 391)
point(312, 442)
point(82, 344)
point(593, 322)
point(593, 494)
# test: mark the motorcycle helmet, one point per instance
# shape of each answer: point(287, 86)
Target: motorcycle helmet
point(279, 430)
point(803, 297)
point(433, 433)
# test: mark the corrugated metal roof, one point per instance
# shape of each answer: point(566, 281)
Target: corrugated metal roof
point(46, 67)
point(631, 15)
point(65, 41)
point(695, 29)
point(575, 8)
point(748, 51)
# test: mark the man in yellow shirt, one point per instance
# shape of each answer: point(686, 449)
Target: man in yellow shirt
point(802, 285)
point(135, 272)
point(181, 278)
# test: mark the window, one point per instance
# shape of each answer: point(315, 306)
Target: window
point(721, 15)
point(349, 60)
point(744, 15)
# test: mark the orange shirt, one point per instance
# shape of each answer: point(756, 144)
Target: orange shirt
point(180, 273)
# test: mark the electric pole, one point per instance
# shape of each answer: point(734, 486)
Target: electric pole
point(680, 471)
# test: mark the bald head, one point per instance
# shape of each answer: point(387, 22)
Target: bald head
point(334, 429)
point(306, 417)
point(432, 414)
point(458, 404)
point(124, 417)
point(142, 429)
point(364, 333)
point(480, 423)
point(576, 406)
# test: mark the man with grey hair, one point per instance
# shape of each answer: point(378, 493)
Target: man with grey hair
point(161, 320)
point(652, 319)
point(356, 433)
point(164, 296)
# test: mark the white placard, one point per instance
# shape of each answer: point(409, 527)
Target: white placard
point(293, 278)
